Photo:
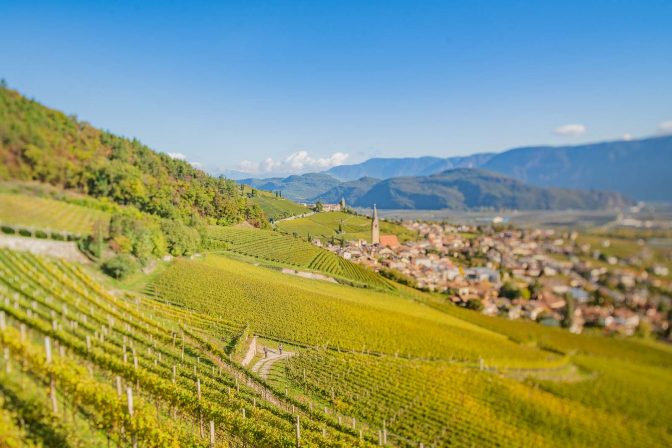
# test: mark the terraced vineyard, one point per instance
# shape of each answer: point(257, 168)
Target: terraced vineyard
point(276, 247)
point(277, 208)
point(352, 227)
point(439, 404)
point(295, 309)
point(48, 214)
point(120, 369)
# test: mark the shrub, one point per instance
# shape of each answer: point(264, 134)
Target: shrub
point(120, 266)
point(57, 236)
point(41, 234)
point(8, 230)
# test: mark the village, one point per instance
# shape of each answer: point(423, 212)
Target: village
point(546, 276)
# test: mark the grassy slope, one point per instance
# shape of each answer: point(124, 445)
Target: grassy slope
point(275, 207)
point(42, 213)
point(293, 308)
point(355, 227)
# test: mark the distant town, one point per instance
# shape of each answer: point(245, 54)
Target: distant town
point(562, 279)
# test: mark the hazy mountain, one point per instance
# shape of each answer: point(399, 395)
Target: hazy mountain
point(297, 187)
point(387, 168)
point(464, 188)
point(637, 168)
point(351, 191)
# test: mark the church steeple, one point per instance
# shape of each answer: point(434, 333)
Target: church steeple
point(375, 227)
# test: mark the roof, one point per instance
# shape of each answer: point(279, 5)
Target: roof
point(389, 240)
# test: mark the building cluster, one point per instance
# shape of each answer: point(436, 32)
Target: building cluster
point(534, 274)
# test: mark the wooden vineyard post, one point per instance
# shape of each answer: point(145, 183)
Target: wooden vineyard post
point(118, 379)
point(380, 437)
point(354, 423)
point(200, 412)
point(129, 396)
point(174, 374)
point(298, 432)
point(384, 434)
point(52, 382)
point(3, 321)
point(212, 434)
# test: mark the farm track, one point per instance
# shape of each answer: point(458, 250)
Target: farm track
point(264, 365)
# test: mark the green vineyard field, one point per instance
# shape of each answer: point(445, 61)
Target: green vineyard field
point(103, 348)
point(48, 214)
point(280, 248)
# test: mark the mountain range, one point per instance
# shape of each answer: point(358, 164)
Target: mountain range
point(637, 169)
point(466, 188)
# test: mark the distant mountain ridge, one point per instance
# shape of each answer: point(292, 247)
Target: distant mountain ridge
point(640, 169)
point(298, 187)
point(387, 168)
point(635, 168)
point(468, 188)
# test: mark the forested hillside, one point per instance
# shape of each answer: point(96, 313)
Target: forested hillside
point(43, 144)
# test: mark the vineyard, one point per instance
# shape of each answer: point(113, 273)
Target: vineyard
point(352, 319)
point(352, 227)
point(48, 215)
point(132, 371)
point(285, 249)
point(371, 367)
point(441, 404)
point(275, 207)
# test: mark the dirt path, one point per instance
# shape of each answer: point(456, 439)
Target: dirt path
point(263, 366)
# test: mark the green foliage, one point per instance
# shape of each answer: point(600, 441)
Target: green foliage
point(180, 239)
point(120, 266)
point(398, 277)
point(46, 145)
point(510, 291)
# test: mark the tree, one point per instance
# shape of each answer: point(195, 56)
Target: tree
point(120, 266)
point(318, 206)
point(474, 304)
point(568, 318)
point(180, 239)
point(509, 290)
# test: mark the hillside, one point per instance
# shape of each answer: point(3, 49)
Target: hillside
point(45, 145)
point(461, 189)
point(636, 168)
point(339, 225)
point(351, 191)
point(298, 188)
point(273, 205)
point(387, 168)
point(371, 362)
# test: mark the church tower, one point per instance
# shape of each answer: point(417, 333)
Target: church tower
point(375, 227)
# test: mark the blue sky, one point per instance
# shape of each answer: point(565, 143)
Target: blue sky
point(301, 85)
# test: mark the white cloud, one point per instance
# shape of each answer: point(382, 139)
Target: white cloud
point(570, 130)
point(197, 165)
point(299, 161)
point(665, 127)
point(177, 156)
point(627, 137)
